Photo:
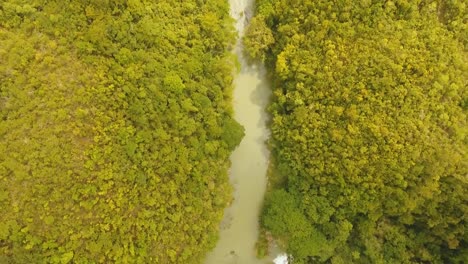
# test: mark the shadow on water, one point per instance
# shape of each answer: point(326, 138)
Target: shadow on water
point(261, 96)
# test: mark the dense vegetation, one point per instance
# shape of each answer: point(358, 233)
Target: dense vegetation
point(115, 129)
point(369, 128)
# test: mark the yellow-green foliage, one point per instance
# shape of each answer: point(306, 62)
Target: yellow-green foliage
point(115, 130)
point(369, 128)
point(258, 38)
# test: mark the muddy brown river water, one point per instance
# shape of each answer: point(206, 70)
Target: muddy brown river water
point(240, 227)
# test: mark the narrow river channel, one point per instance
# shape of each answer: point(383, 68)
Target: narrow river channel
point(240, 227)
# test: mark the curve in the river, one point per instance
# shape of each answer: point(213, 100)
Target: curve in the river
point(240, 227)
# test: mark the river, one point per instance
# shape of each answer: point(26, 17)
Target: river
point(240, 226)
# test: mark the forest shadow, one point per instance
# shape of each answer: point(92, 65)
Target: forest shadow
point(261, 96)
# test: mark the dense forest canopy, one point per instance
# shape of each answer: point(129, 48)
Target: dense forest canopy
point(369, 128)
point(115, 129)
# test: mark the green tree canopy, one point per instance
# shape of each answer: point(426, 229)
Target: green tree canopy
point(109, 114)
point(368, 130)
